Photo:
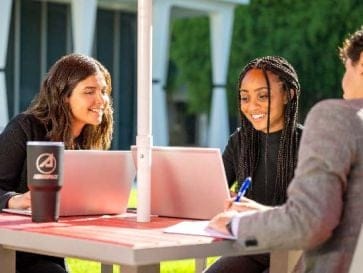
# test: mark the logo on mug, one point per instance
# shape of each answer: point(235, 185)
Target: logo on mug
point(46, 164)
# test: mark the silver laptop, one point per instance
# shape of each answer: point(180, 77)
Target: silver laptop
point(187, 182)
point(95, 182)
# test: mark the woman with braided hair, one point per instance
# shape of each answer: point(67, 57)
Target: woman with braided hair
point(264, 147)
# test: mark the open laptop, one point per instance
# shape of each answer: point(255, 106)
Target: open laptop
point(187, 182)
point(95, 182)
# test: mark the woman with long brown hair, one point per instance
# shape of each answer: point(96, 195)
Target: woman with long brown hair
point(72, 106)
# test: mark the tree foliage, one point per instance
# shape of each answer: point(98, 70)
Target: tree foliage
point(307, 33)
point(190, 54)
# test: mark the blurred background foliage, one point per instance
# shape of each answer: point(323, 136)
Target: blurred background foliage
point(307, 33)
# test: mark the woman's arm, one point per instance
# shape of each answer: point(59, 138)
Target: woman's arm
point(12, 163)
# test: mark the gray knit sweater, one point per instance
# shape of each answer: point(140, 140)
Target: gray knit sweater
point(324, 211)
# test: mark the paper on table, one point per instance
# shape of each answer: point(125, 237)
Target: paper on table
point(197, 228)
point(27, 212)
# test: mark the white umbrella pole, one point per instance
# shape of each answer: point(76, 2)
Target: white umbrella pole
point(144, 101)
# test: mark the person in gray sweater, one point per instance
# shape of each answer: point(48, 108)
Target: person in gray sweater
point(324, 210)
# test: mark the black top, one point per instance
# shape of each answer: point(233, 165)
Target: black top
point(13, 175)
point(261, 190)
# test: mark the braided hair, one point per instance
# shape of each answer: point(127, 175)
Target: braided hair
point(289, 141)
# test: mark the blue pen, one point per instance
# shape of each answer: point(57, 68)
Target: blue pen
point(244, 187)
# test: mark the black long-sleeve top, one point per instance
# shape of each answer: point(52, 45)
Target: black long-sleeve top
point(13, 174)
point(13, 171)
point(261, 190)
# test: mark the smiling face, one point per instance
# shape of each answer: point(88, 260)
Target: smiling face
point(87, 102)
point(254, 100)
point(352, 81)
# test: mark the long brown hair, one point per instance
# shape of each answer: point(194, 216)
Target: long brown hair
point(51, 108)
point(289, 141)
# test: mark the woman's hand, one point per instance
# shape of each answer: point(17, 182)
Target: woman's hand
point(244, 204)
point(20, 201)
point(220, 221)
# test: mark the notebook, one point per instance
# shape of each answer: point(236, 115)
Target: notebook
point(95, 182)
point(187, 182)
point(199, 228)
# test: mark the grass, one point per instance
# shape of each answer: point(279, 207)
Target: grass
point(82, 266)
point(182, 266)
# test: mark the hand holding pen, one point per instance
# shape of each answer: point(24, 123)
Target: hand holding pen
point(243, 189)
point(245, 204)
point(241, 192)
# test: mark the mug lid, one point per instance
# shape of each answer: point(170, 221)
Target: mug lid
point(45, 143)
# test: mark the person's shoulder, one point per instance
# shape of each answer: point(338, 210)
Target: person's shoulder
point(23, 121)
point(336, 113)
point(233, 140)
point(337, 105)
point(236, 132)
point(236, 135)
point(25, 118)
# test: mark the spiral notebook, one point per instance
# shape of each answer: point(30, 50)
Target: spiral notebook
point(95, 183)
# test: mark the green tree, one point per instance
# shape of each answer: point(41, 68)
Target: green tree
point(307, 33)
point(190, 56)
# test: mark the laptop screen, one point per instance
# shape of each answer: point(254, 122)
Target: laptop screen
point(96, 182)
point(187, 182)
